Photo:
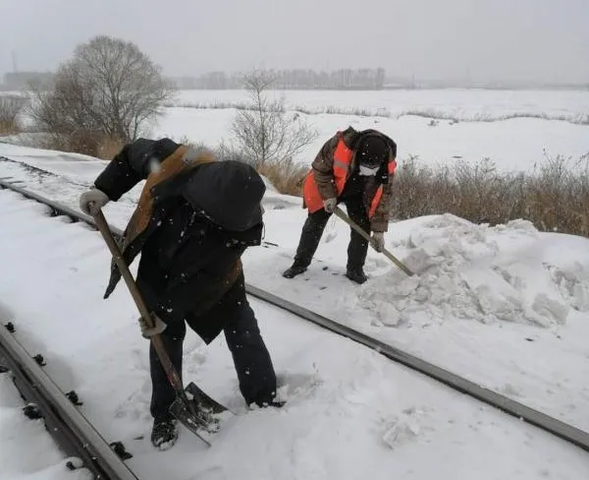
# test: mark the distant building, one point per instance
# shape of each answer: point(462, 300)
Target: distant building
point(20, 80)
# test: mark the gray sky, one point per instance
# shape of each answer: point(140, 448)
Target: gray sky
point(543, 40)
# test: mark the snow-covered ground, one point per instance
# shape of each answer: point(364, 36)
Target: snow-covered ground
point(26, 450)
point(507, 307)
point(516, 129)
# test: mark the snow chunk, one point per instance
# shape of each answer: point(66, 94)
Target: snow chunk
point(405, 428)
point(400, 432)
point(573, 284)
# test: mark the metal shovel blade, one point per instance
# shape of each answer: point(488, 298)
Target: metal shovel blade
point(202, 415)
point(184, 415)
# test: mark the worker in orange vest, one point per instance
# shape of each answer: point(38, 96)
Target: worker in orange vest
point(355, 168)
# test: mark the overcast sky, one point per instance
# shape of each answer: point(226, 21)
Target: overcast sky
point(542, 40)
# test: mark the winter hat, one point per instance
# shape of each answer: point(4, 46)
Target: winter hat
point(372, 151)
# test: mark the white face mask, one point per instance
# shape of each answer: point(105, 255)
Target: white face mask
point(368, 172)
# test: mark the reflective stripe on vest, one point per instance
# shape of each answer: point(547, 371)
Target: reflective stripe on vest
point(342, 158)
point(378, 195)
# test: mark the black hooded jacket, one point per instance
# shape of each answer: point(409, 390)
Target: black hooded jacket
point(203, 220)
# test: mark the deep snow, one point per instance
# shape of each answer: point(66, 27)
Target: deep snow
point(351, 413)
point(506, 307)
point(26, 450)
point(524, 337)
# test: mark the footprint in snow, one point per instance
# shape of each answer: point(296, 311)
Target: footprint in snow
point(330, 237)
point(211, 473)
point(292, 385)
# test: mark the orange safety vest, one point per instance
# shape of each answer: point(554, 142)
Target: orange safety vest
point(342, 159)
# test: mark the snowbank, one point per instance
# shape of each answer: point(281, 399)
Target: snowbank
point(463, 272)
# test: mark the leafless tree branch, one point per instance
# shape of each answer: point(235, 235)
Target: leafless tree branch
point(264, 131)
point(109, 88)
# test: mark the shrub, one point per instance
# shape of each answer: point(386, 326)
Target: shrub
point(264, 131)
point(554, 196)
point(10, 107)
point(108, 90)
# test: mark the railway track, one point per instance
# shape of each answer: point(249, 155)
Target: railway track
point(67, 425)
point(81, 440)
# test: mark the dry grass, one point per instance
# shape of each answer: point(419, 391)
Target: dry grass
point(10, 107)
point(216, 105)
point(554, 196)
point(8, 128)
point(331, 110)
point(108, 147)
point(86, 143)
point(286, 176)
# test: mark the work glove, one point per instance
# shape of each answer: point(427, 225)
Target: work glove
point(158, 326)
point(330, 204)
point(92, 201)
point(378, 241)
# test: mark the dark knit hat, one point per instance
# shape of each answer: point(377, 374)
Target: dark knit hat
point(372, 151)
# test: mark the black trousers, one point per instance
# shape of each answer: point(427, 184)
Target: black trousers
point(255, 372)
point(315, 225)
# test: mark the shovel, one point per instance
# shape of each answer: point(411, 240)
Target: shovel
point(186, 410)
point(340, 213)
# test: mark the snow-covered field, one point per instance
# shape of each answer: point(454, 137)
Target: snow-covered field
point(460, 104)
point(507, 307)
point(516, 129)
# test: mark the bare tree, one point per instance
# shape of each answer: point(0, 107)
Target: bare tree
point(10, 107)
point(265, 132)
point(109, 88)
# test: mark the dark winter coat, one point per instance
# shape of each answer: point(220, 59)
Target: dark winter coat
point(194, 220)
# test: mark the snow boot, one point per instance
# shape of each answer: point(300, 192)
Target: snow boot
point(294, 270)
point(164, 433)
point(271, 403)
point(356, 275)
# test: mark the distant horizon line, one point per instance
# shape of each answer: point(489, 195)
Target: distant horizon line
point(389, 82)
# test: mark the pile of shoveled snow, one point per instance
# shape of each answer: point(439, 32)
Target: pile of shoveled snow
point(477, 272)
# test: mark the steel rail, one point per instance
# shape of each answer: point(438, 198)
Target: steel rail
point(71, 430)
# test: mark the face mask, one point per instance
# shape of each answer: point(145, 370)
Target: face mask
point(368, 172)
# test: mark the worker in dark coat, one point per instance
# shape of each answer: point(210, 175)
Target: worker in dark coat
point(195, 218)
